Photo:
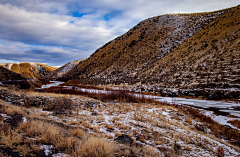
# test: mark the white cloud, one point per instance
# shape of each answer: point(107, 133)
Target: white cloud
point(27, 25)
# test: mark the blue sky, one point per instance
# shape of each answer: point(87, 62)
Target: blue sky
point(56, 32)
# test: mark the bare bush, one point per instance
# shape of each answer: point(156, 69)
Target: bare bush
point(60, 105)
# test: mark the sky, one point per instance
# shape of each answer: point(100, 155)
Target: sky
point(56, 32)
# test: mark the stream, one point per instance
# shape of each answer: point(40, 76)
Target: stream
point(221, 108)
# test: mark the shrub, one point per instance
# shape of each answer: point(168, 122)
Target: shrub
point(60, 105)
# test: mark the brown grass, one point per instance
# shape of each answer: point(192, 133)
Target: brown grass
point(232, 135)
point(92, 147)
point(189, 121)
point(48, 133)
point(10, 138)
point(13, 110)
point(78, 132)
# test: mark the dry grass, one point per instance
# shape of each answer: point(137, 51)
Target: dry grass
point(78, 132)
point(24, 150)
point(92, 147)
point(13, 110)
point(189, 121)
point(48, 133)
point(149, 126)
point(10, 138)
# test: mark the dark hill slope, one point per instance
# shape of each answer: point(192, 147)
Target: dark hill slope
point(210, 58)
point(123, 58)
point(6, 75)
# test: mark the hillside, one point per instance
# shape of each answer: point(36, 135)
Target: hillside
point(6, 75)
point(63, 70)
point(210, 58)
point(49, 68)
point(124, 58)
point(29, 70)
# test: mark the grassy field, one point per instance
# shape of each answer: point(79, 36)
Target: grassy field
point(73, 125)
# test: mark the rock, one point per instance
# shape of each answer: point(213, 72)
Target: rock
point(124, 139)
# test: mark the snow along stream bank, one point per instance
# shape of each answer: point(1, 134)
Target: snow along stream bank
point(222, 108)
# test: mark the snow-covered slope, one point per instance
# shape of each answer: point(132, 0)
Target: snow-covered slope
point(63, 70)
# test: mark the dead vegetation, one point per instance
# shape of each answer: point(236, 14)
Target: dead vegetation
point(109, 95)
point(87, 126)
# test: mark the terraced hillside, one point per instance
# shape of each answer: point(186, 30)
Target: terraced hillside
point(126, 58)
point(29, 70)
point(63, 70)
point(6, 75)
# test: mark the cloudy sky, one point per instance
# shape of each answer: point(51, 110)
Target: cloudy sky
point(56, 32)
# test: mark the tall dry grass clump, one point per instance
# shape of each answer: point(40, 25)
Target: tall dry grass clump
point(92, 147)
point(13, 110)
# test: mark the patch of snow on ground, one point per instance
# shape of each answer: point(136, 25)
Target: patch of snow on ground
point(24, 119)
point(60, 155)
point(223, 120)
point(47, 149)
point(53, 84)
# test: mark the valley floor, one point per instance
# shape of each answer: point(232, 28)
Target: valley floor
point(70, 125)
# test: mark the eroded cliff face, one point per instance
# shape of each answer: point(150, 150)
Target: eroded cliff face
point(29, 70)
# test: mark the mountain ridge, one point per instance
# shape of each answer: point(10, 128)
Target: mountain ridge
point(120, 60)
point(59, 72)
point(29, 69)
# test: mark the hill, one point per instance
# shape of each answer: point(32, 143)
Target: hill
point(121, 59)
point(29, 70)
point(198, 52)
point(6, 75)
point(59, 72)
point(210, 58)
